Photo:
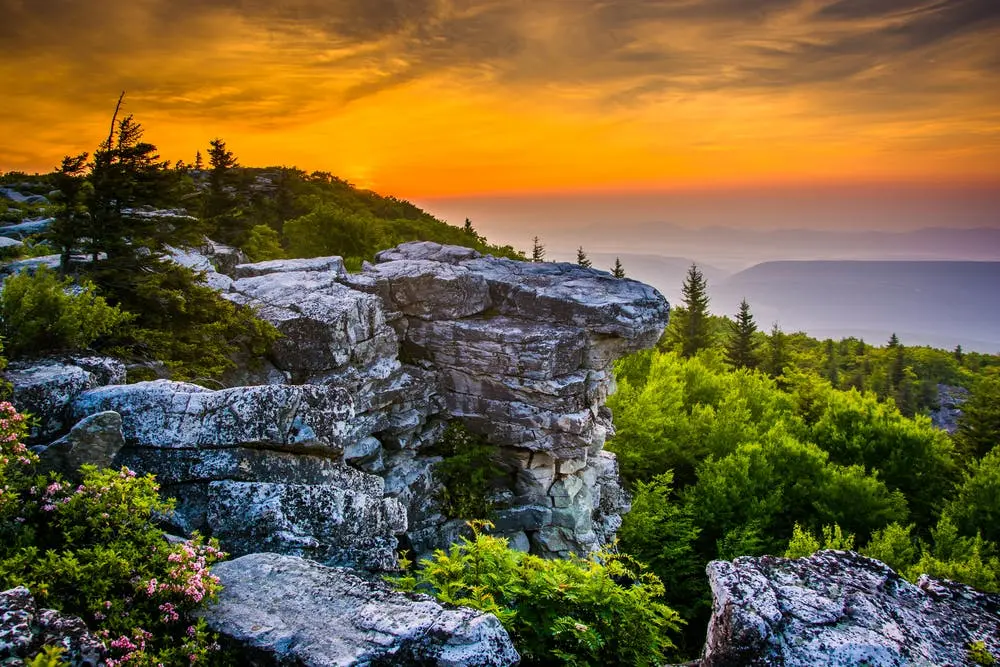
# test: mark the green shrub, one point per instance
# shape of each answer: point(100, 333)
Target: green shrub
point(466, 474)
point(599, 610)
point(262, 244)
point(42, 313)
point(804, 543)
point(980, 655)
point(92, 550)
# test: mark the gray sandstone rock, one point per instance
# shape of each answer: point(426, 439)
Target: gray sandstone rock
point(320, 522)
point(95, 440)
point(165, 414)
point(289, 611)
point(368, 370)
point(45, 388)
point(840, 608)
point(334, 265)
point(24, 630)
point(10, 245)
point(26, 228)
point(949, 410)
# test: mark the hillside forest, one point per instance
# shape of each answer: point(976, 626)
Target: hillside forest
point(732, 440)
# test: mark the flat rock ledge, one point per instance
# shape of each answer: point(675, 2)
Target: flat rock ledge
point(284, 610)
point(840, 608)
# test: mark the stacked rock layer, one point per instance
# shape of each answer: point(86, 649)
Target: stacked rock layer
point(325, 449)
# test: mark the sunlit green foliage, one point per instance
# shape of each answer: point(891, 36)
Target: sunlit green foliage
point(805, 543)
point(42, 313)
point(601, 610)
point(726, 462)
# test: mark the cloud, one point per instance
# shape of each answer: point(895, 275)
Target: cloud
point(725, 69)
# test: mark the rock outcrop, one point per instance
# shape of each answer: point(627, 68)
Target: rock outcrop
point(326, 451)
point(840, 608)
point(949, 410)
point(25, 630)
point(285, 610)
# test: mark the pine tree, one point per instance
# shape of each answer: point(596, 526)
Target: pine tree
point(832, 364)
point(468, 228)
point(695, 335)
point(71, 216)
point(777, 351)
point(897, 367)
point(618, 271)
point(125, 172)
point(979, 425)
point(581, 258)
point(199, 163)
point(958, 354)
point(537, 251)
point(218, 208)
point(741, 349)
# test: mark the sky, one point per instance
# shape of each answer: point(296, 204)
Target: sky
point(459, 103)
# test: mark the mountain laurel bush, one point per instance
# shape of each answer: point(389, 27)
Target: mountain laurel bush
point(91, 550)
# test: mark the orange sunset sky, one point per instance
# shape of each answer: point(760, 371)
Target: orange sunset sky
point(460, 98)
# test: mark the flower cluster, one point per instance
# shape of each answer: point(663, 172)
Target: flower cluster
point(189, 575)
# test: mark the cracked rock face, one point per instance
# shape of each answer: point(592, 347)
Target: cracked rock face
point(840, 608)
point(286, 610)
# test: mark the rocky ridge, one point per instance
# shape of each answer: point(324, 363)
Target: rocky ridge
point(325, 449)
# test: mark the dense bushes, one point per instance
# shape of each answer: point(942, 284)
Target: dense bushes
point(42, 313)
point(601, 610)
point(91, 549)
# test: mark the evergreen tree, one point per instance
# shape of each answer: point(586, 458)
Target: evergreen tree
point(741, 349)
point(897, 367)
point(468, 228)
point(958, 354)
point(220, 200)
point(126, 172)
point(695, 333)
point(537, 251)
point(199, 163)
point(618, 271)
point(832, 365)
point(581, 258)
point(979, 425)
point(777, 351)
point(71, 216)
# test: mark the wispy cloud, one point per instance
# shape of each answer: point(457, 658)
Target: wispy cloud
point(823, 76)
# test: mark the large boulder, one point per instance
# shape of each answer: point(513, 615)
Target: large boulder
point(25, 630)
point(840, 608)
point(285, 610)
point(523, 353)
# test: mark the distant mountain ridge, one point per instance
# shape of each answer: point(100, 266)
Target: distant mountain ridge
point(932, 303)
